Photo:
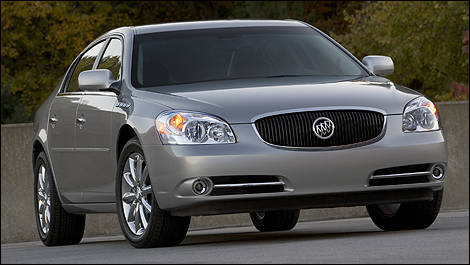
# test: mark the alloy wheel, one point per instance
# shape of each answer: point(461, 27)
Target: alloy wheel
point(136, 193)
point(44, 200)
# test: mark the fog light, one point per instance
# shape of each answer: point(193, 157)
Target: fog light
point(438, 171)
point(202, 186)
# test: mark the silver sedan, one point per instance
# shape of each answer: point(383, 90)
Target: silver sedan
point(159, 123)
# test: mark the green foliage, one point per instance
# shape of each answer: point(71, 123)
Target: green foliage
point(40, 39)
point(423, 38)
point(267, 9)
point(13, 110)
point(328, 16)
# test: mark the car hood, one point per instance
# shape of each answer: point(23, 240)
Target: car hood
point(245, 100)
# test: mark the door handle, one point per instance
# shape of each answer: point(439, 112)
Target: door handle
point(53, 120)
point(81, 120)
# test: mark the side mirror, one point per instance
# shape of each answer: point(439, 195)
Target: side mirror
point(97, 80)
point(379, 65)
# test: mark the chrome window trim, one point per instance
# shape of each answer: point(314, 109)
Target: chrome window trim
point(100, 93)
point(64, 94)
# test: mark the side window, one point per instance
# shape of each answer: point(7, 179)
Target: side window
point(112, 58)
point(85, 63)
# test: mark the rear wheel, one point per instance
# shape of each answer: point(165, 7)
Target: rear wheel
point(55, 226)
point(275, 220)
point(408, 215)
point(143, 223)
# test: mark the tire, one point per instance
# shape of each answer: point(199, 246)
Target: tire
point(275, 220)
point(55, 226)
point(406, 216)
point(160, 228)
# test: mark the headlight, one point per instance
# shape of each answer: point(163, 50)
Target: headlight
point(179, 127)
point(420, 115)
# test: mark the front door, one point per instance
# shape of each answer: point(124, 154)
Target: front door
point(94, 132)
point(94, 142)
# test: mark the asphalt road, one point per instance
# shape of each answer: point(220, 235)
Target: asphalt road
point(337, 241)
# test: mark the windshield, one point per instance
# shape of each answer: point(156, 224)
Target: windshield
point(189, 56)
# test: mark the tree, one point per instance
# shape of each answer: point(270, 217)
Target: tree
point(423, 38)
point(13, 110)
point(41, 39)
point(460, 91)
point(267, 9)
point(329, 16)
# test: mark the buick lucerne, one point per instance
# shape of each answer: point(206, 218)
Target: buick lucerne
point(159, 123)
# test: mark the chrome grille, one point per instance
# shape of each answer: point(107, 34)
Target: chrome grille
point(296, 129)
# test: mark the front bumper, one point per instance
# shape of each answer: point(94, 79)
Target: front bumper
point(327, 178)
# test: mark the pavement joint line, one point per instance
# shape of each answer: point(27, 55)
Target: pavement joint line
point(463, 212)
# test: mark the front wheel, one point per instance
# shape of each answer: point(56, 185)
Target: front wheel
point(143, 223)
point(275, 220)
point(407, 215)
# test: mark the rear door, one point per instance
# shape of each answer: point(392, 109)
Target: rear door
point(94, 135)
point(61, 134)
point(61, 129)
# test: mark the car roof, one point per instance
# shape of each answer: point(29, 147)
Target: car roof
point(213, 24)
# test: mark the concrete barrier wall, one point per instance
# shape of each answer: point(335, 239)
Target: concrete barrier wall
point(17, 210)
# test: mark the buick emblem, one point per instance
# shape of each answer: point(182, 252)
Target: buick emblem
point(323, 128)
